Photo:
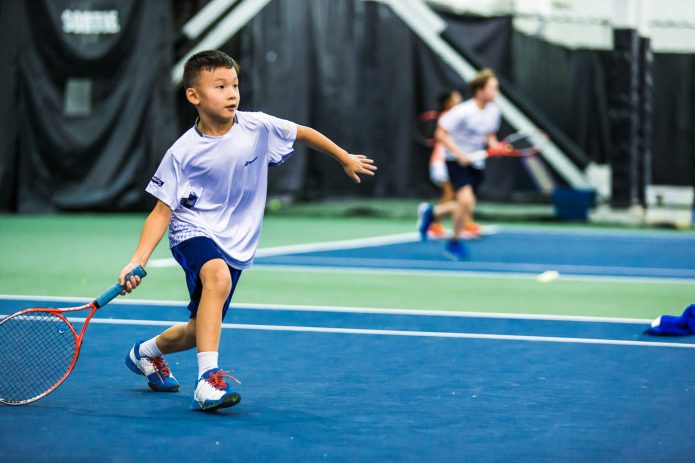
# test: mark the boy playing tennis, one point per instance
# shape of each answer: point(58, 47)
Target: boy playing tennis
point(211, 191)
point(465, 128)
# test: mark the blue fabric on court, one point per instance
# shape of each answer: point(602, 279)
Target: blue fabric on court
point(669, 325)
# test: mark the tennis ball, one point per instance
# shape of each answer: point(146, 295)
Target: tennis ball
point(548, 276)
point(275, 205)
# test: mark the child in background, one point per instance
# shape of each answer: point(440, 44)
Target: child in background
point(466, 128)
point(438, 172)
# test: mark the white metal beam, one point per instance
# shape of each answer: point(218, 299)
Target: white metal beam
point(225, 30)
point(205, 17)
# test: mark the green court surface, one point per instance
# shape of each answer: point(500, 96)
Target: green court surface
point(74, 255)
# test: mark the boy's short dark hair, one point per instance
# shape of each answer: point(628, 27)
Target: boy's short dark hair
point(480, 80)
point(207, 60)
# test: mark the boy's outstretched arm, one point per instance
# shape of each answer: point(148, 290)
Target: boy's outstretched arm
point(152, 232)
point(353, 164)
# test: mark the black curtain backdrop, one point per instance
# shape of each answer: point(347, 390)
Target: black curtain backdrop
point(673, 124)
point(351, 69)
point(355, 71)
point(88, 108)
point(572, 86)
point(346, 69)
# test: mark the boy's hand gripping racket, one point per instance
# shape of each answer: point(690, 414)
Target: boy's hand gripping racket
point(517, 145)
point(39, 347)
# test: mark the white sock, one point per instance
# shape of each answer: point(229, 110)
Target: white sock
point(150, 349)
point(206, 361)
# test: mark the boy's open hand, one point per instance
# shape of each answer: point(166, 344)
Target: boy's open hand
point(358, 164)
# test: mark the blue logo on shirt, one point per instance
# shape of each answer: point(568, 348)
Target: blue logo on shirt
point(250, 162)
point(157, 181)
point(190, 201)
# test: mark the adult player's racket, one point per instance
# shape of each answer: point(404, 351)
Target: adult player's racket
point(518, 145)
point(39, 347)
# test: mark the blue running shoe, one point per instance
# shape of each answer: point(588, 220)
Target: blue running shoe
point(154, 369)
point(212, 392)
point(425, 215)
point(454, 250)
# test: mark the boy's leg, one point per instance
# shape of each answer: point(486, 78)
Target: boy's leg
point(447, 193)
point(442, 209)
point(212, 392)
point(454, 249)
point(217, 284)
point(460, 211)
point(178, 338)
point(476, 177)
point(466, 199)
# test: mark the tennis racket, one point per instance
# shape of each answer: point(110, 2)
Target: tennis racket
point(518, 145)
point(425, 126)
point(39, 347)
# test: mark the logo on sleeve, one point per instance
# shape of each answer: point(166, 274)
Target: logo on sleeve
point(157, 181)
point(251, 161)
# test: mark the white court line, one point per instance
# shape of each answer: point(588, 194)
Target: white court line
point(428, 334)
point(355, 310)
point(458, 273)
point(500, 268)
point(486, 269)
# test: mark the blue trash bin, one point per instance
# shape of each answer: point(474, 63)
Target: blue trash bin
point(572, 203)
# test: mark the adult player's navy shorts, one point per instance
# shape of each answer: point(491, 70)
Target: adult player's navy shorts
point(460, 176)
point(192, 254)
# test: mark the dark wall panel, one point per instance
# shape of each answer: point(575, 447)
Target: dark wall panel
point(94, 109)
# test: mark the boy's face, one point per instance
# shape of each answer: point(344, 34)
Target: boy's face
point(490, 91)
point(216, 94)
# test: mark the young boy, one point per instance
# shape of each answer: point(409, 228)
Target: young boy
point(211, 191)
point(466, 128)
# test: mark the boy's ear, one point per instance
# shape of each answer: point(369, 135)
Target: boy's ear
point(192, 96)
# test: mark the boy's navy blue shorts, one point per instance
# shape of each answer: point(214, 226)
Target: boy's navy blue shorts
point(460, 176)
point(192, 254)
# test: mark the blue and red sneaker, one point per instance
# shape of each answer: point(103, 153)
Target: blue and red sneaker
point(455, 250)
point(212, 392)
point(154, 369)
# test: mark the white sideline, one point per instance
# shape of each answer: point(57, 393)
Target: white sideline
point(428, 334)
point(356, 310)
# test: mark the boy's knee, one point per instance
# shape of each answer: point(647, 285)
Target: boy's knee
point(465, 195)
point(216, 277)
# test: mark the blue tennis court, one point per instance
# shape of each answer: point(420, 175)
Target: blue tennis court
point(356, 385)
point(611, 254)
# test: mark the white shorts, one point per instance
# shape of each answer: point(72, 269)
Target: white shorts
point(439, 173)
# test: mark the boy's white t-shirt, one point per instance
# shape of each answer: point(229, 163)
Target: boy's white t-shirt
point(217, 186)
point(469, 126)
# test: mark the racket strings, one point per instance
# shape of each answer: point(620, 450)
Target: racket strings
point(36, 350)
